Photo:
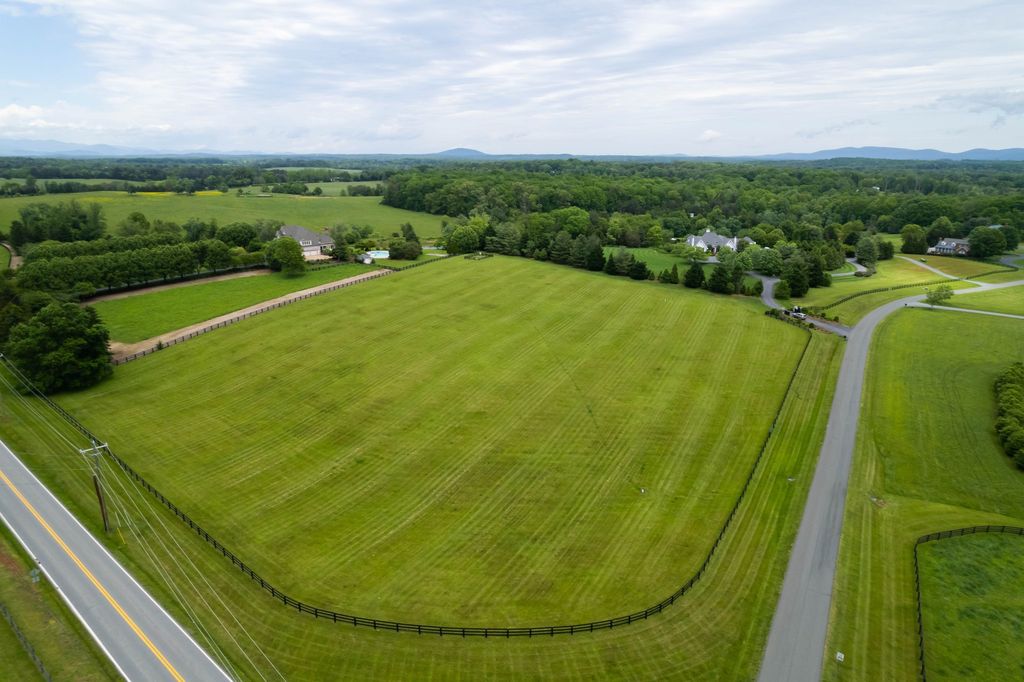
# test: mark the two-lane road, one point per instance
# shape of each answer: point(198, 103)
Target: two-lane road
point(796, 640)
point(141, 639)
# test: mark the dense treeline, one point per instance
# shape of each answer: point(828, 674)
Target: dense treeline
point(726, 197)
point(174, 175)
point(1010, 411)
point(63, 222)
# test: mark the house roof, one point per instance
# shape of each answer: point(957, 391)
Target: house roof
point(950, 242)
point(716, 240)
point(301, 234)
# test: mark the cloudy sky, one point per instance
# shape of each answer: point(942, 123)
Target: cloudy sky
point(587, 77)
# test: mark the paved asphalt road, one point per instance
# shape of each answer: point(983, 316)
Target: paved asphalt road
point(141, 639)
point(796, 641)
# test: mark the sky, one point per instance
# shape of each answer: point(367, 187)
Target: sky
point(698, 77)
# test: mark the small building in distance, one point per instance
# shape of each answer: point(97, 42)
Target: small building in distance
point(313, 243)
point(948, 246)
point(711, 241)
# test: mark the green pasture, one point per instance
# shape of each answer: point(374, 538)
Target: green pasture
point(329, 189)
point(890, 273)
point(60, 642)
point(1009, 300)
point(145, 315)
point(927, 460)
point(973, 607)
point(312, 212)
point(439, 447)
point(960, 267)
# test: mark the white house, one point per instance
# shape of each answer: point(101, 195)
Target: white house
point(313, 243)
point(710, 241)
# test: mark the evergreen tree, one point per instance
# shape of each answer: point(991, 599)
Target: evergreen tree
point(593, 254)
point(694, 276)
point(578, 253)
point(561, 247)
point(720, 281)
point(638, 269)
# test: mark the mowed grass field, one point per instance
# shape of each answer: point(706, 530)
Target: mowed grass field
point(927, 459)
point(716, 632)
point(890, 273)
point(1010, 300)
point(960, 267)
point(63, 645)
point(145, 315)
point(973, 607)
point(312, 212)
point(544, 445)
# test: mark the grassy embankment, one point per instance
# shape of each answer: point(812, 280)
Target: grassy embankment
point(60, 642)
point(463, 434)
point(312, 212)
point(145, 315)
point(927, 459)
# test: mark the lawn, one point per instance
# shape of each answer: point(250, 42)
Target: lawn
point(845, 267)
point(973, 607)
point(60, 642)
point(927, 459)
point(146, 315)
point(531, 481)
point(890, 273)
point(312, 212)
point(1009, 300)
point(960, 267)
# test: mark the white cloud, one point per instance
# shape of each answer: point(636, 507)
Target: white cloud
point(599, 76)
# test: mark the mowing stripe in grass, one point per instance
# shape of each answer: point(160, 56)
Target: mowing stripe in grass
point(374, 623)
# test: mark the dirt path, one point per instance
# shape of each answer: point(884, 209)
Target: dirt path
point(123, 352)
point(15, 259)
point(176, 285)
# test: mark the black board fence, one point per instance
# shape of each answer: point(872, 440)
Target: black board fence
point(933, 537)
point(245, 316)
point(418, 628)
point(25, 644)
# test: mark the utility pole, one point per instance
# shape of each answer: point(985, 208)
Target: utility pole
point(95, 452)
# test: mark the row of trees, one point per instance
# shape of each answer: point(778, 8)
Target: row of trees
point(1010, 411)
point(125, 268)
point(108, 244)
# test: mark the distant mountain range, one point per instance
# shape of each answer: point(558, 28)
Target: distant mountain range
point(55, 149)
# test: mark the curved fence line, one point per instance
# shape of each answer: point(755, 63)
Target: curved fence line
point(244, 316)
point(943, 535)
point(844, 299)
point(422, 629)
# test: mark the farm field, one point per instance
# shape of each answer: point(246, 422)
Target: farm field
point(146, 315)
point(1009, 300)
point(329, 189)
point(63, 645)
point(437, 475)
point(927, 459)
point(311, 212)
point(972, 607)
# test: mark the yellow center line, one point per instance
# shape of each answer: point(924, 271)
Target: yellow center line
point(88, 574)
